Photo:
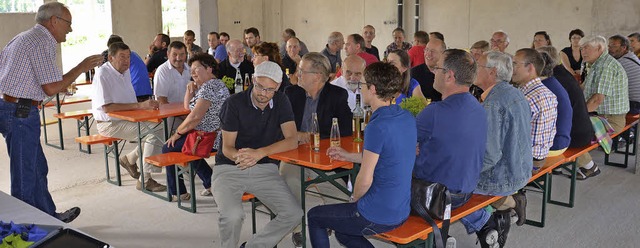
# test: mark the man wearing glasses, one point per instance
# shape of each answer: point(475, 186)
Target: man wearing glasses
point(255, 124)
point(28, 74)
point(351, 79)
point(235, 61)
point(499, 41)
point(313, 95)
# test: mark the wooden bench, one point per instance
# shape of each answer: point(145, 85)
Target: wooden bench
point(183, 162)
point(82, 118)
point(631, 121)
point(57, 103)
point(110, 146)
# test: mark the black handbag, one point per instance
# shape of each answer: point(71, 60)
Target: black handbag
point(432, 201)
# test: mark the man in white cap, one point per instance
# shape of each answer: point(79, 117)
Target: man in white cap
point(255, 124)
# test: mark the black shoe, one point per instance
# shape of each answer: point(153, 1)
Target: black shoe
point(488, 235)
point(296, 238)
point(243, 244)
point(521, 207)
point(69, 215)
point(503, 224)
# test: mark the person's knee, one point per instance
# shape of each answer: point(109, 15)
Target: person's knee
point(233, 216)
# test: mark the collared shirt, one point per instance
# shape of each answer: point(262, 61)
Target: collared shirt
point(631, 65)
point(393, 46)
point(310, 106)
point(170, 83)
point(157, 59)
point(219, 52)
point(544, 113)
point(342, 83)
point(606, 76)
point(28, 62)
point(110, 86)
point(486, 93)
point(255, 127)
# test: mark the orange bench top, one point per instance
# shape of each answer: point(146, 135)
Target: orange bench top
point(417, 228)
point(172, 158)
point(96, 139)
point(68, 100)
point(80, 114)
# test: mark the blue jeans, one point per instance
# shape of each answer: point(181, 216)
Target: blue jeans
point(201, 167)
point(28, 166)
point(350, 227)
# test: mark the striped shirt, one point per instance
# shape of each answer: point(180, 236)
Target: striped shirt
point(544, 113)
point(28, 62)
point(607, 77)
point(631, 65)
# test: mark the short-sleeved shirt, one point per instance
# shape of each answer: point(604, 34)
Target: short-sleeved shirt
point(157, 59)
point(393, 46)
point(219, 53)
point(170, 83)
point(28, 62)
point(215, 92)
point(255, 127)
point(373, 51)
point(606, 76)
point(631, 65)
point(544, 113)
point(139, 76)
point(413, 84)
point(288, 63)
point(110, 86)
point(368, 58)
point(425, 77)
point(416, 54)
point(452, 136)
point(391, 134)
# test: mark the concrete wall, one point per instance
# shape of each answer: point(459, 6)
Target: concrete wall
point(137, 22)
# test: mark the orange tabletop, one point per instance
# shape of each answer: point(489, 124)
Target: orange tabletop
point(166, 110)
point(304, 156)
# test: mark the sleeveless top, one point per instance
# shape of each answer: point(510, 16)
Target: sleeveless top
point(575, 65)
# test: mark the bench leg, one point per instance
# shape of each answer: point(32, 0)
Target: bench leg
point(545, 191)
point(192, 188)
point(46, 140)
point(84, 125)
point(116, 153)
point(572, 189)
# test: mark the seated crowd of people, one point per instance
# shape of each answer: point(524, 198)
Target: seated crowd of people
point(493, 120)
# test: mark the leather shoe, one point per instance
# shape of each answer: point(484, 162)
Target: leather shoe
point(69, 215)
point(521, 207)
point(151, 185)
point(131, 168)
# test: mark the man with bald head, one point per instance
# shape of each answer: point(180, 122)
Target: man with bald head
point(424, 73)
point(351, 79)
point(335, 43)
point(499, 41)
point(288, 34)
point(28, 74)
point(235, 61)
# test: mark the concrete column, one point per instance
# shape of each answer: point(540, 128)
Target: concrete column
point(137, 22)
point(202, 18)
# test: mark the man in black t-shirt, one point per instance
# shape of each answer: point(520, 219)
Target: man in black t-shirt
point(255, 124)
point(157, 52)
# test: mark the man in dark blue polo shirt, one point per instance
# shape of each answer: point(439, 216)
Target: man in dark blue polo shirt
point(255, 124)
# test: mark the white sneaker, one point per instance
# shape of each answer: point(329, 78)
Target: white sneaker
point(206, 192)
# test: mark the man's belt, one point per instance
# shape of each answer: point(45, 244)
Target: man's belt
point(8, 98)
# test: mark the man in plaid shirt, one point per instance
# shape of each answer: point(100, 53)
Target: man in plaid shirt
point(28, 74)
point(605, 90)
point(527, 65)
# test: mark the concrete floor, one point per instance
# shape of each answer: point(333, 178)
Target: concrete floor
point(605, 214)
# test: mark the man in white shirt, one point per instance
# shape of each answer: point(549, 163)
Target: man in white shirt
point(171, 79)
point(353, 67)
point(112, 91)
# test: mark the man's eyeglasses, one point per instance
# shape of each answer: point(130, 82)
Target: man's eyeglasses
point(67, 21)
point(484, 66)
point(261, 88)
point(303, 71)
point(520, 63)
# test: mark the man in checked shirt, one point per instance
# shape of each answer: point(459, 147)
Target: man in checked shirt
point(527, 65)
point(28, 74)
